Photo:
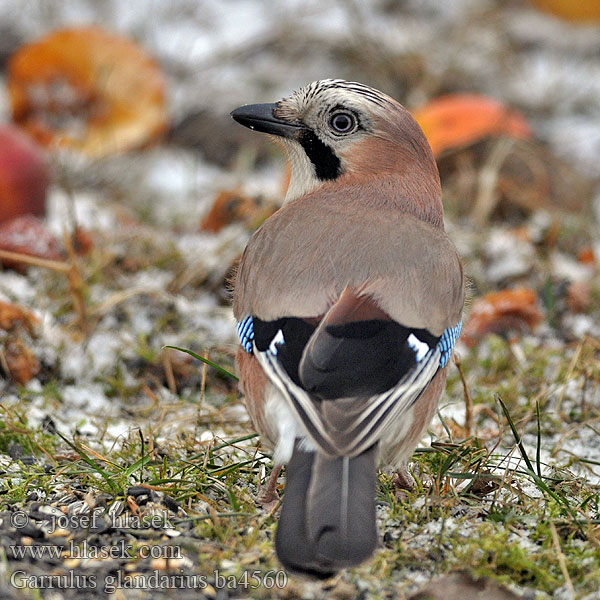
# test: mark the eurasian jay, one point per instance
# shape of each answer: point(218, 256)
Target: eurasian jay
point(348, 302)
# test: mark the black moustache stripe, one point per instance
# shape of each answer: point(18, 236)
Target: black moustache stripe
point(327, 164)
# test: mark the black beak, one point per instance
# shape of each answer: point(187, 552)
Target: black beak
point(260, 118)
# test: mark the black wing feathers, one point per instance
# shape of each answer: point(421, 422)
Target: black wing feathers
point(296, 333)
point(362, 358)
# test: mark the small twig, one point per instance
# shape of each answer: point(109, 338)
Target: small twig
point(487, 194)
point(570, 371)
point(561, 560)
point(4, 364)
point(468, 401)
point(150, 450)
point(207, 454)
point(65, 183)
point(197, 272)
point(123, 295)
point(168, 367)
point(76, 285)
point(36, 261)
point(151, 395)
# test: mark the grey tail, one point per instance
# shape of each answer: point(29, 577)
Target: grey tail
point(327, 520)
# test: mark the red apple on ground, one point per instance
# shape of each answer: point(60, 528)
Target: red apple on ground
point(24, 175)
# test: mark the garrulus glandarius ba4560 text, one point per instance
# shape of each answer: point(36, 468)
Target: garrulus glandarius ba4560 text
point(348, 302)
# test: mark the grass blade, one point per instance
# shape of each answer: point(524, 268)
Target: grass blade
point(516, 435)
point(538, 449)
point(138, 464)
point(206, 361)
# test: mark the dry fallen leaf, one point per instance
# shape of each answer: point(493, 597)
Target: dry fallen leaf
point(460, 119)
point(572, 10)
point(17, 361)
point(87, 89)
point(12, 316)
point(579, 296)
point(20, 361)
point(24, 175)
point(133, 506)
point(586, 256)
point(230, 206)
point(502, 312)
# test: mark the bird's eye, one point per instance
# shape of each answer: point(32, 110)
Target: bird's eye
point(342, 122)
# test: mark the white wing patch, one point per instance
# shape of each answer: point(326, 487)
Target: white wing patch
point(277, 340)
point(420, 348)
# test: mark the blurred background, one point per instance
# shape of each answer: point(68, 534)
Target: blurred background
point(127, 194)
point(536, 59)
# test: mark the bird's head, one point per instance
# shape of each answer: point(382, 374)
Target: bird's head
point(336, 130)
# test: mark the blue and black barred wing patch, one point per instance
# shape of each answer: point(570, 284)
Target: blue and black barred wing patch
point(245, 331)
point(446, 343)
